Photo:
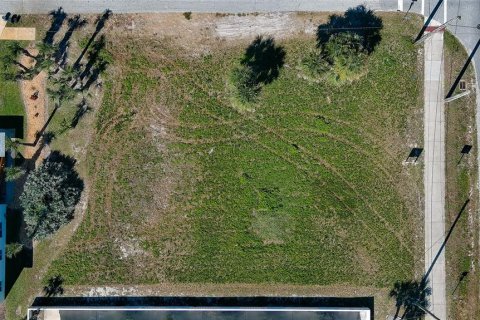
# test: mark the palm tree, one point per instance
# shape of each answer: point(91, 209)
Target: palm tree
point(13, 173)
point(45, 50)
point(70, 73)
point(12, 145)
point(63, 93)
point(44, 64)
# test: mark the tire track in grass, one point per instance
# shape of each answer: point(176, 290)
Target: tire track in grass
point(346, 142)
point(319, 160)
point(337, 173)
point(371, 137)
point(333, 169)
point(326, 165)
point(373, 233)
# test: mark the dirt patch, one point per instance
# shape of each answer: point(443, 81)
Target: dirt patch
point(275, 24)
point(34, 99)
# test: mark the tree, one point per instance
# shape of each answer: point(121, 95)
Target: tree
point(12, 146)
point(316, 63)
point(346, 51)
point(45, 51)
point(13, 249)
point(244, 80)
point(13, 173)
point(62, 92)
point(50, 194)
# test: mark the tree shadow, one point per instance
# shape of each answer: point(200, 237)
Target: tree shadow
point(58, 17)
point(42, 131)
point(100, 25)
point(412, 296)
point(73, 24)
point(16, 233)
point(265, 59)
point(358, 20)
point(93, 56)
point(94, 74)
point(54, 287)
point(82, 110)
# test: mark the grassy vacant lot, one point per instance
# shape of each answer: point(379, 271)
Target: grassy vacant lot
point(309, 188)
point(462, 249)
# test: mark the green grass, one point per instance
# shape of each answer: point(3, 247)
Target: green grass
point(10, 99)
point(308, 188)
point(462, 176)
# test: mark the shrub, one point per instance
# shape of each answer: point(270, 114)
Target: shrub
point(187, 15)
point(244, 80)
point(13, 173)
point(340, 59)
point(316, 63)
point(50, 195)
point(12, 249)
point(347, 53)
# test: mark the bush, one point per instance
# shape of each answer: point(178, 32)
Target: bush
point(340, 59)
point(244, 80)
point(13, 173)
point(50, 195)
point(187, 15)
point(12, 249)
point(344, 42)
point(347, 53)
point(316, 63)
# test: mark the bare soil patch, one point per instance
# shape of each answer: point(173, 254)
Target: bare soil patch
point(33, 94)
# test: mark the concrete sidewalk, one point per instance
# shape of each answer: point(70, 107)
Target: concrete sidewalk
point(434, 174)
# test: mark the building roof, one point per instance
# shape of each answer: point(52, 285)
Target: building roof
point(203, 313)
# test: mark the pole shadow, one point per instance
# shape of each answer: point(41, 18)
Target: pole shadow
point(462, 72)
point(42, 131)
point(442, 247)
point(429, 19)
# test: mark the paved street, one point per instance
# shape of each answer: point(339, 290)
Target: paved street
point(234, 6)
